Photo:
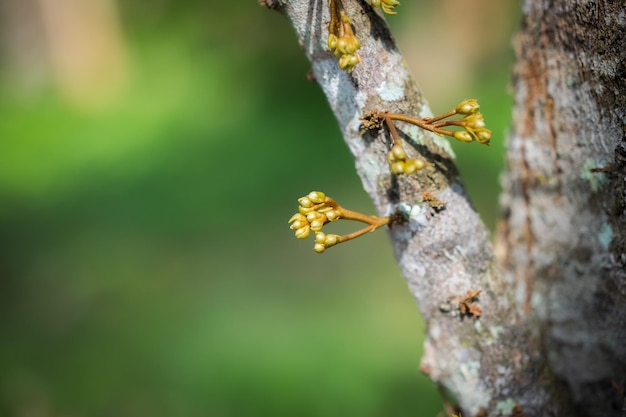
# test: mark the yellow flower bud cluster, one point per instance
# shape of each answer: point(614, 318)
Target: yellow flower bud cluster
point(323, 241)
point(386, 5)
point(400, 164)
point(316, 210)
point(313, 214)
point(473, 122)
point(468, 106)
point(344, 44)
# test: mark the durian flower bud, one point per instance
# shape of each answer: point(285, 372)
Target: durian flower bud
point(468, 106)
point(463, 136)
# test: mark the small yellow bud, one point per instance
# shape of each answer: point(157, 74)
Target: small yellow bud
point(474, 121)
point(332, 215)
point(297, 217)
point(298, 225)
point(352, 45)
point(468, 106)
point(305, 202)
point(341, 45)
point(463, 136)
point(317, 224)
point(348, 62)
point(303, 233)
point(397, 167)
point(331, 240)
point(304, 210)
point(413, 165)
point(343, 62)
point(319, 248)
point(398, 151)
point(484, 136)
point(316, 197)
point(332, 42)
point(388, 5)
point(320, 237)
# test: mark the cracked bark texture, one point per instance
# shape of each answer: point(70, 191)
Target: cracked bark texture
point(555, 292)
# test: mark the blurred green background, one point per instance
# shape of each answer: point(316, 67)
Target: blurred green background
point(151, 153)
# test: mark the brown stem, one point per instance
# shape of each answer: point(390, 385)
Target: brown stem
point(440, 117)
point(364, 218)
point(423, 123)
point(393, 131)
point(379, 221)
point(460, 123)
point(334, 26)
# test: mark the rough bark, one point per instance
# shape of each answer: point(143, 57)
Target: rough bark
point(496, 365)
point(563, 234)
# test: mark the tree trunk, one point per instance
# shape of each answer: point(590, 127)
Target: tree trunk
point(563, 233)
point(556, 293)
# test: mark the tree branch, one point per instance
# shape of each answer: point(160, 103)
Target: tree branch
point(494, 365)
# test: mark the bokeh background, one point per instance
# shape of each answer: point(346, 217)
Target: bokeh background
point(151, 153)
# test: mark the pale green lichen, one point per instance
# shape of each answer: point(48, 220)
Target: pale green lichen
point(506, 407)
point(465, 385)
point(495, 331)
point(595, 179)
point(536, 300)
point(478, 326)
point(390, 91)
point(605, 236)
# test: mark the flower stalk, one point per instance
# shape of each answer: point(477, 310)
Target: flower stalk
point(472, 124)
point(316, 210)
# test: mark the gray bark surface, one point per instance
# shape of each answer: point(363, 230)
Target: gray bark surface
point(498, 364)
point(562, 236)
